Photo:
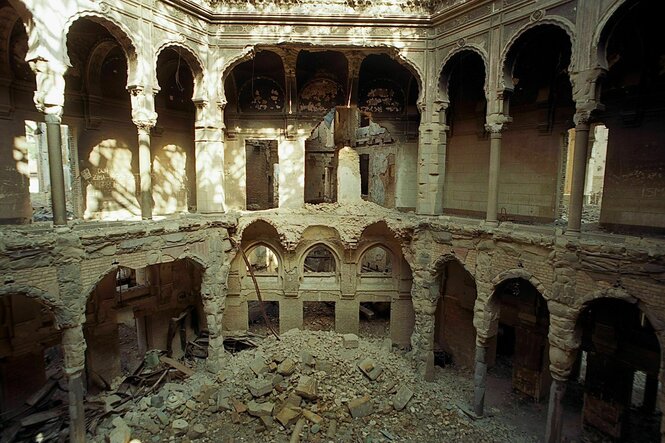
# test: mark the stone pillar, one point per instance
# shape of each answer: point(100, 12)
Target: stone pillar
point(290, 314)
point(57, 176)
point(347, 316)
point(579, 173)
point(650, 394)
point(354, 59)
point(494, 125)
point(422, 338)
point(480, 378)
point(145, 118)
point(49, 99)
point(73, 347)
point(145, 170)
point(209, 147)
point(555, 411)
point(213, 296)
point(563, 351)
point(348, 176)
point(432, 145)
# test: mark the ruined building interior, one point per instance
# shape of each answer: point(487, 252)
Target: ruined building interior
point(472, 189)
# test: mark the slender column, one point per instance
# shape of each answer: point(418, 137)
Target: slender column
point(57, 176)
point(563, 355)
point(145, 170)
point(49, 99)
point(494, 125)
point(209, 144)
point(145, 118)
point(480, 379)
point(73, 346)
point(555, 411)
point(432, 146)
point(354, 59)
point(650, 394)
point(579, 172)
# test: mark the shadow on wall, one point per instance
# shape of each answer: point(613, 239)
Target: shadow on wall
point(169, 191)
point(109, 182)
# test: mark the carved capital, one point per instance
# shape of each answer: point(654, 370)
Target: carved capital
point(582, 117)
point(143, 107)
point(586, 86)
point(496, 123)
point(49, 96)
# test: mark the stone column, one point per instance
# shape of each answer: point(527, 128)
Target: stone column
point(422, 339)
point(579, 172)
point(145, 169)
point(480, 377)
point(73, 347)
point(145, 118)
point(289, 60)
point(213, 295)
point(494, 125)
point(49, 99)
point(555, 411)
point(348, 176)
point(432, 145)
point(564, 347)
point(354, 60)
point(209, 143)
point(57, 176)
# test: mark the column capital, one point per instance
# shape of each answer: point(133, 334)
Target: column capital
point(143, 107)
point(582, 117)
point(496, 123)
point(49, 97)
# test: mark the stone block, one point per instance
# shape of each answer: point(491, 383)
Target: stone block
point(360, 407)
point(351, 341)
point(258, 366)
point(307, 387)
point(260, 409)
point(286, 367)
point(307, 358)
point(402, 397)
point(311, 416)
point(260, 387)
point(287, 415)
point(370, 368)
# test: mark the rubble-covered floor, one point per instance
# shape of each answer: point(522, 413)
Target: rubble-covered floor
point(253, 398)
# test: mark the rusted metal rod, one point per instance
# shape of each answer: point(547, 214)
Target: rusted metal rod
point(256, 287)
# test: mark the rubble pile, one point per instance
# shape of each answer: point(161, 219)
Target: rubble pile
point(310, 386)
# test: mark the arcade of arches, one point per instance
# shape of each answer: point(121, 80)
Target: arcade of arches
point(487, 174)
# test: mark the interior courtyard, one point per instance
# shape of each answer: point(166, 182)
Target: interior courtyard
point(287, 220)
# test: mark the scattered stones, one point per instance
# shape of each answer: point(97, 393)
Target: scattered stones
point(179, 426)
point(333, 397)
point(260, 387)
point(239, 406)
point(197, 431)
point(311, 416)
point(307, 387)
point(288, 415)
point(307, 358)
point(370, 369)
point(260, 409)
point(121, 432)
point(286, 367)
point(351, 341)
point(402, 397)
point(360, 407)
point(259, 366)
